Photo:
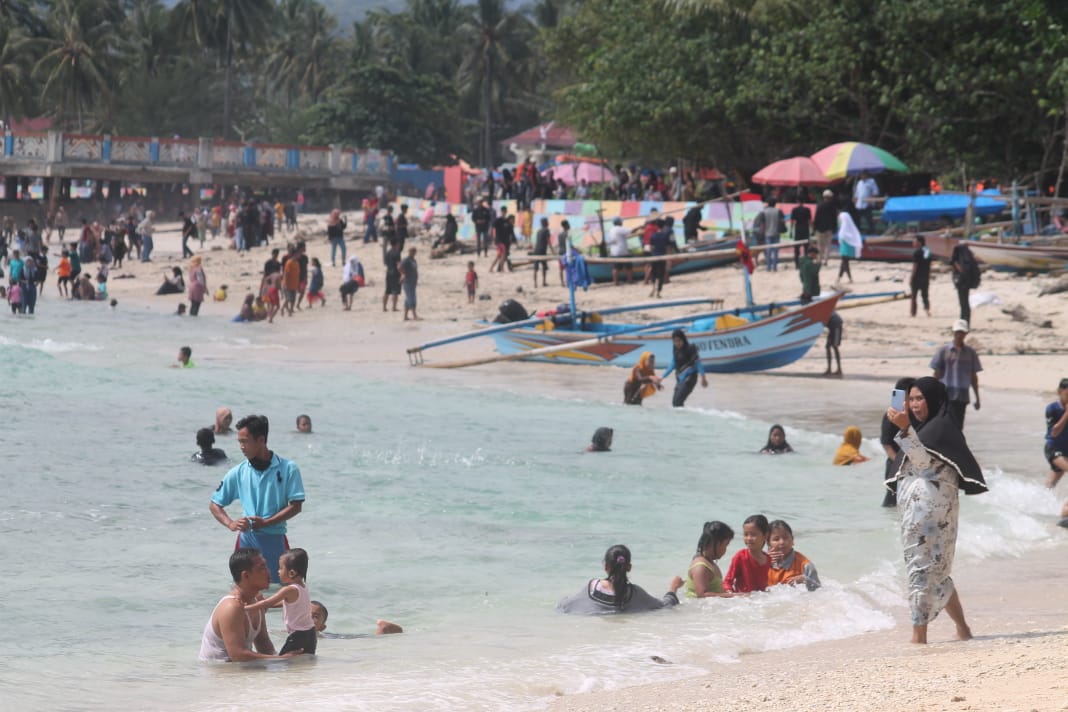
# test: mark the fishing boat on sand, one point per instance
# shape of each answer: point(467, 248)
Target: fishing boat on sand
point(693, 258)
point(729, 341)
point(749, 338)
point(1020, 258)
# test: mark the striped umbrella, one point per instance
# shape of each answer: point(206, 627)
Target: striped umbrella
point(852, 158)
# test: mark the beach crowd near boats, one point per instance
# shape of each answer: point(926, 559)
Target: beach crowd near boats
point(928, 459)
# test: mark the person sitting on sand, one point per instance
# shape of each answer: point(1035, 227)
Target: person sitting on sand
point(208, 454)
point(246, 313)
point(602, 440)
point(788, 566)
point(776, 444)
point(173, 283)
point(259, 309)
point(643, 381)
point(320, 614)
point(615, 593)
point(849, 451)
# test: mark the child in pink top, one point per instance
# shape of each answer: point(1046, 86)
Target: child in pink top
point(14, 297)
point(750, 566)
point(295, 601)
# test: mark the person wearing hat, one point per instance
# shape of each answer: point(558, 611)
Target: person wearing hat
point(957, 365)
point(825, 223)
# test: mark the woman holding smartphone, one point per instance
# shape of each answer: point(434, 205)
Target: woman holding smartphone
point(934, 464)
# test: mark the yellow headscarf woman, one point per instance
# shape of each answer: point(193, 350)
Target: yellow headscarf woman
point(643, 381)
point(849, 451)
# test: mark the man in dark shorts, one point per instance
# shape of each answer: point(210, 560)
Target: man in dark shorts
point(482, 217)
point(1056, 449)
point(393, 276)
point(834, 340)
point(920, 280)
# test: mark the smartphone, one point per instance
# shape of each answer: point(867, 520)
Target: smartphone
point(897, 399)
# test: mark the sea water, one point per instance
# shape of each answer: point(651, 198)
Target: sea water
point(462, 511)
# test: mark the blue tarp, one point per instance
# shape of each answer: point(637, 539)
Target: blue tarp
point(929, 208)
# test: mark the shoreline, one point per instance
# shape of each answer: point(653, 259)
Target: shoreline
point(1012, 603)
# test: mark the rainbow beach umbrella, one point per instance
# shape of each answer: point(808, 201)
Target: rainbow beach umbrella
point(852, 158)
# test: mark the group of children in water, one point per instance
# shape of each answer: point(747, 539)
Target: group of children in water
point(768, 559)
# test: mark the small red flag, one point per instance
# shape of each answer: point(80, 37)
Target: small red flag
point(746, 257)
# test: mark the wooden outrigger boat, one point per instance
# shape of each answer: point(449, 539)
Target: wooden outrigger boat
point(1021, 258)
point(750, 338)
point(729, 341)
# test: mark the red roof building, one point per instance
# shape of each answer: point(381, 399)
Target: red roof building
point(550, 135)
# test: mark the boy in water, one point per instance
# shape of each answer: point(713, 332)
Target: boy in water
point(319, 615)
point(304, 424)
point(185, 358)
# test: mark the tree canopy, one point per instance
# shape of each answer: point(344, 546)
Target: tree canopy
point(948, 85)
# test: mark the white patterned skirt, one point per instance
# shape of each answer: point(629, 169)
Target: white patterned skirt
point(929, 503)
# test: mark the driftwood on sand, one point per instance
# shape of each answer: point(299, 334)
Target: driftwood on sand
point(1020, 313)
point(1061, 285)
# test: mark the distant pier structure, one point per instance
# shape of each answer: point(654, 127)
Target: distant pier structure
point(197, 162)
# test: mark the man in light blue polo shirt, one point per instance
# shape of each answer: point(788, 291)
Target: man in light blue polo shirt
point(270, 489)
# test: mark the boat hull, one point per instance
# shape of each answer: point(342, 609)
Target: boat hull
point(715, 255)
point(1020, 258)
point(771, 342)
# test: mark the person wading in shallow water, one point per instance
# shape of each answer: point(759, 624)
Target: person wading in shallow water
point(686, 363)
point(270, 489)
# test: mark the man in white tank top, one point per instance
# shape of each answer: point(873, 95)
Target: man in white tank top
point(231, 634)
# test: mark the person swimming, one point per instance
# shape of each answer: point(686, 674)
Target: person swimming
point(776, 443)
point(207, 455)
point(304, 424)
point(223, 418)
point(320, 614)
point(849, 451)
point(602, 440)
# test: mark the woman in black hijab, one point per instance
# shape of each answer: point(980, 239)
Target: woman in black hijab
point(934, 464)
point(686, 362)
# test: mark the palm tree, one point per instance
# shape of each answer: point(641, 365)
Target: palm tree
point(225, 26)
point(497, 43)
point(15, 92)
point(79, 56)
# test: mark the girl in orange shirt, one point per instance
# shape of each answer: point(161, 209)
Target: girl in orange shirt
point(63, 270)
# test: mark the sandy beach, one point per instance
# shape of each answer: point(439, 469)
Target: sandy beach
point(1014, 607)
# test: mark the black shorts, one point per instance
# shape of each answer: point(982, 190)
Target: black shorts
point(301, 640)
point(392, 283)
point(1051, 455)
point(834, 335)
point(348, 288)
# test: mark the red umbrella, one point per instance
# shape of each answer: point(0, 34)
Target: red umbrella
point(800, 170)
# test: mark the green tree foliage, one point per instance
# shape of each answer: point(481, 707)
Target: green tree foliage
point(79, 55)
point(382, 106)
point(979, 86)
point(942, 83)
